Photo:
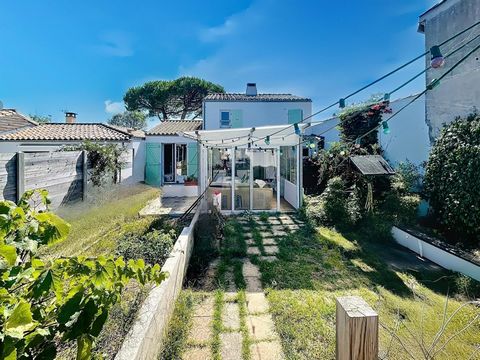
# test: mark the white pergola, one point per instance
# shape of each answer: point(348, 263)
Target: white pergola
point(253, 140)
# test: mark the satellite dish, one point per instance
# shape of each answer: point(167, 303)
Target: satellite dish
point(1, 105)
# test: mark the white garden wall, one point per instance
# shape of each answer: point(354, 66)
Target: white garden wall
point(436, 254)
point(144, 340)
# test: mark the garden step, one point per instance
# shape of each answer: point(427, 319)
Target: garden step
point(256, 303)
point(250, 270)
point(261, 327)
point(253, 250)
point(271, 250)
point(202, 319)
point(269, 258)
point(253, 284)
point(197, 353)
point(271, 350)
point(231, 316)
point(269, 241)
point(231, 346)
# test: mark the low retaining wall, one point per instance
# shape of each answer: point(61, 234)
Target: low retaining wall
point(436, 254)
point(144, 340)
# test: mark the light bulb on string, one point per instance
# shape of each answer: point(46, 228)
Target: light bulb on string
point(437, 60)
point(386, 128)
point(296, 128)
point(312, 145)
point(267, 140)
point(341, 103)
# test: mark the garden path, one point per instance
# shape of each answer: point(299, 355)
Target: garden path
point(233, 320)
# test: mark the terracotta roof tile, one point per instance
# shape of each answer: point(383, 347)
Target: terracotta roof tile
point(173, 127)
point(70, 132)
point(11, 120)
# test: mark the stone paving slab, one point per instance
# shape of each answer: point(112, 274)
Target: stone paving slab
point(205, 308)
point(250, 242)
point(231, 316)
point(231, 346)
point(271, 350)
point(201, 330)
point(271, 250)
point(253, 250)
point(253, 284)
point(269, 258)
point(261, 327)
point(269, 241)
point(249, 269)
point(197, 353)
point(256, 303)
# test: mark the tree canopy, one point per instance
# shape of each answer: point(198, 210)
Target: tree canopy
point(180, 98)
point(41, 119)
point(129, 119)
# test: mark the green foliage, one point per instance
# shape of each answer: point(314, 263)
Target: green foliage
point(153, 246)
point(41, 119)
point(104, 160)
point(68, 298)
point(129, 119)
point(407, 177)
point(452, 178)
point(168, 99)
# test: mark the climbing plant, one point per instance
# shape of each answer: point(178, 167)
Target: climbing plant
point(46, 302)
point(452, 177)
point(104, 160)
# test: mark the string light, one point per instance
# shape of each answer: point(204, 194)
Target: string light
point(312, 145)
point(267, 140)
point(297, 129)
point(341, 103)
point(433, 84)
point(386, 97)
point(386, 128)
point(437, 58)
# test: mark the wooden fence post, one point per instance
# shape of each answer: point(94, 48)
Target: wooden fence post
point(357, 330)
point(84, 174)
point(20, 175)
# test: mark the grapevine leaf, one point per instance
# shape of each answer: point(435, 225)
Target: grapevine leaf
point(20, 320)
point(84, 348)
point(70, 307)
point(97, 325)
point(43, 284)
point(55, 229)
point(9, 253)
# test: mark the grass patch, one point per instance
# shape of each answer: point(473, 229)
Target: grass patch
point(180, 324)
point(217, 325)
point(316, 265)
point(95, 227)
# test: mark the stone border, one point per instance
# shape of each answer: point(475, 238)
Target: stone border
point(433, 252)
point(144, 340)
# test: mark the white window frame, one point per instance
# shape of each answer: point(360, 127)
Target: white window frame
point(229, 119)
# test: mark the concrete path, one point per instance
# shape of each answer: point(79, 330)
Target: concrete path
point(173, 206)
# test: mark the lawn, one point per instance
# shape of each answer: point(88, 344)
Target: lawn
point(97, 224)
point(97, 227)
point(317, 264)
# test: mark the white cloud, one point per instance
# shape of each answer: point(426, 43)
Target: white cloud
point(113, 107)
point(217, 32)
point(115, 43)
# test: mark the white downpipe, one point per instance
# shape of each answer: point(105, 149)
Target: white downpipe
point(234, 159)
point(278, 178)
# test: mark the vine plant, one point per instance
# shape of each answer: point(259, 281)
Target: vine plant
point(45, 302)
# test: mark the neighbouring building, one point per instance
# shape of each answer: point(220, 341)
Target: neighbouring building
point(172, 160)
point(11, 120)
point(55, 136)
point(408, 138)
point(459, 92)
point(253, 109)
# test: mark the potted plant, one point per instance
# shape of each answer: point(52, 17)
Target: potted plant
point(191, 181)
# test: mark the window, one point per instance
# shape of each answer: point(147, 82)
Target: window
point(224, 119)
point(288, 163)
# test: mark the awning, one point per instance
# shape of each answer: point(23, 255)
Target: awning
point(279, 135)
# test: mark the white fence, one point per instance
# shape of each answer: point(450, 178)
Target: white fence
point(144, 340)
point(436, 254)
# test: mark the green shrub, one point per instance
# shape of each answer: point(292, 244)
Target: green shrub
point(154, 246)
point(452, 178)
point(402, 209)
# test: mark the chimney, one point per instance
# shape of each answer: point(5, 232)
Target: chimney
point(70, 117)
point(251, 89)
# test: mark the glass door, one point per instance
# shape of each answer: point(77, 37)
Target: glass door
point(242, 179)
point(264, 167)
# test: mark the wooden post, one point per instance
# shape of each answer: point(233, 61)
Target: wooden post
point(84, 174)
point(20, 175)
point(357, 330)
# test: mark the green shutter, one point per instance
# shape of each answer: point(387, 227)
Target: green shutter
point(153, 165)
point(192, 160)
point(236, 120)
point(295, 116)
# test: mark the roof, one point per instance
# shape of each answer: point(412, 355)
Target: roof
point(11, 119)
point(259, 97)
point(433, 7)
point(173, 127)
point(68, 132)
point(372, 165)
point(134, 132)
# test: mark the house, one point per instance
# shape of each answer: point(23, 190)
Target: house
point(54, 136)
point(408, 137)
point(172, 160)
point(235, 110)
point(459, 92)
point(11, 120)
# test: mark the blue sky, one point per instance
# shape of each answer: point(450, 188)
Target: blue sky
point(83, 55)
